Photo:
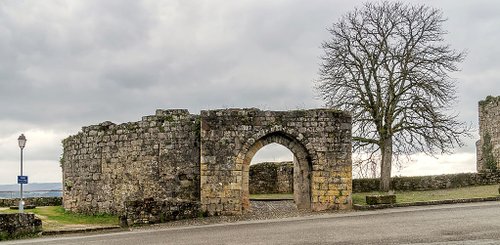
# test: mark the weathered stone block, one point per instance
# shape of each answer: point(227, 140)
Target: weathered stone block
point(380, 199)
point(15, 225)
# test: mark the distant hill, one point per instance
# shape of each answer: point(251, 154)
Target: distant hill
point(32, 187)
point(32, 190)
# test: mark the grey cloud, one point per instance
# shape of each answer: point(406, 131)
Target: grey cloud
point(66, 64)
point(96, 55)
point(104, 49)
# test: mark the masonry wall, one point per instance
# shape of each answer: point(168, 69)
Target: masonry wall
point(319, 138)
point(18, 225)
point(151, 210)
point(488, 146)
point(157, 158)
point(435, 182)
point(37, 201)
point(271, 178)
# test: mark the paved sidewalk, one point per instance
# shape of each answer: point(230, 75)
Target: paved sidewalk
point(259, 210)
point(274, 209)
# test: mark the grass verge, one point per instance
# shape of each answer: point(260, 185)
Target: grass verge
point(56, 218)
point(410, 196)
point(271, 196)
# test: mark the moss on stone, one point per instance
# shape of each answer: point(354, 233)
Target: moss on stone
point(4, 235)
point(166, 118)
point(299, 113)
point(489, 99)
point(131, 126)
point(61, 160)
point(488, 157)
point(68, 185)
point(196, 128)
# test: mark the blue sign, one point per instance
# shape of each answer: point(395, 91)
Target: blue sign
point(22, 179)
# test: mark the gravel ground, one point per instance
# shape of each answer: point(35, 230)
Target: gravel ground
point(260, 210)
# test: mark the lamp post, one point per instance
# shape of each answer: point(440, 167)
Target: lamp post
point(22, 143)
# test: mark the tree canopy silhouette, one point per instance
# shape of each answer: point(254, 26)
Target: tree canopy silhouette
point(388, 65)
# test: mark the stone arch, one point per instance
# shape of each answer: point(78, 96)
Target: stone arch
point(319, 139)
point(302, 166)
point(291, 133)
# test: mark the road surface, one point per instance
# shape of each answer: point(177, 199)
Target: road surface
point(477, 223)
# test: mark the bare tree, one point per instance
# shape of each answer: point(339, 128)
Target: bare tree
point(387, 64)
point(365, 167)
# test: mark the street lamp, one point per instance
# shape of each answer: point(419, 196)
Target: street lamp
point(20, 179)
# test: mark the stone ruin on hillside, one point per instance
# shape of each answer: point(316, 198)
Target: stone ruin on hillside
point(488, 146)
point(176, 165)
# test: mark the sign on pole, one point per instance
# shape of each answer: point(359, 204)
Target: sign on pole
point(22, 179)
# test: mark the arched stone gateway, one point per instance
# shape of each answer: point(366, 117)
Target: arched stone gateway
point(302, 167)
point(319, 139)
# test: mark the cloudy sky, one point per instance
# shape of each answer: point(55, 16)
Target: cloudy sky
point(67, 64)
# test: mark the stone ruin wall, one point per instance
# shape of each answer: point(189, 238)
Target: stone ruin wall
point(271, 178)
point(17, 225)
point(175, 165)
point(106, 165)
point(488, 145)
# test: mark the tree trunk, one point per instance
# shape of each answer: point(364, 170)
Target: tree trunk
point(385, 166)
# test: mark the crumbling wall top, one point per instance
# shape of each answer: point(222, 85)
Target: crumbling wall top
point(308, 113)
point(488, 145)
point(490, 100)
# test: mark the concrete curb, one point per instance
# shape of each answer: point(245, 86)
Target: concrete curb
point(437, 202)
point(83, 230)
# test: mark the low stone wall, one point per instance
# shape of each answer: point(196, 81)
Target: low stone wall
point(271, 177)
point(149, 211)
point(16, 225)
point(37, 201)
point(420, 183)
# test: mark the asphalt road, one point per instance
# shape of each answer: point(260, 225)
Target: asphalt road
point(477, 223)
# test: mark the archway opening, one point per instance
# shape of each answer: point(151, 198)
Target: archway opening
point(302, 167)
point(271, 173)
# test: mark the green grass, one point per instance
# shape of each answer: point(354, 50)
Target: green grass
point(443, 194)
point(55, 217)
point(411, 196)
point(271, 196)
